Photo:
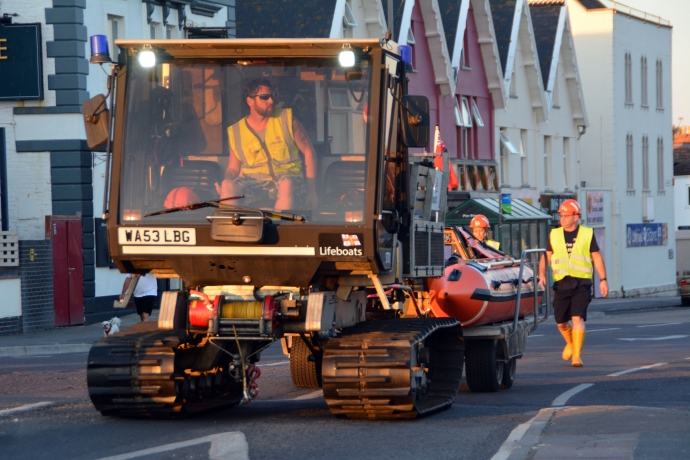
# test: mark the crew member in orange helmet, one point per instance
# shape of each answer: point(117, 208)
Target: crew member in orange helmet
point(482, 231)
point(573, 254)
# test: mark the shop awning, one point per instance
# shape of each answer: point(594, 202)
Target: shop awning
point(522, 212)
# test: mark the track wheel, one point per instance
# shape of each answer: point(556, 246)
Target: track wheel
point(483, 369)
point(305, 366)
point(509, 370)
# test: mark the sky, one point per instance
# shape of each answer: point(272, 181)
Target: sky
point(678, 12)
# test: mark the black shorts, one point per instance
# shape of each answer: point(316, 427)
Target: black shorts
point(571, 302)
point(144, 304)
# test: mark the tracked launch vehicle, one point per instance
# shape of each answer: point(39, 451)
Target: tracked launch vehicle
point(339, 276)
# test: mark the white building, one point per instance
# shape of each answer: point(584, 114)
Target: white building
point(538, 130)
point(624, 57)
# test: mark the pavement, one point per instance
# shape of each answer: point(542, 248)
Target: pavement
point(70, 339)
point(78, 339)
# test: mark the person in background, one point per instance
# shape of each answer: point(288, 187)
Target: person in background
point(145, 293)
point(573, 254)
point(482, 231)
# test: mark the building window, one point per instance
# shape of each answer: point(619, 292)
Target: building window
point(411, 42)
point(464, 54)
point(645, 165)
point(660, 166)
point(659, 85)
point(506, 148)
point(513, 85)
point(566, 162)
point(349, 21)
point(643, 80)
point(629, 163)
point(153, 31)
point(628, 80)
point(170, 32)
point(115, 29)
point(547, 162)
point(524, 166)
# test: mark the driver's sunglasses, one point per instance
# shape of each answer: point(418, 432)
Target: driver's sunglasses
point(264, 97)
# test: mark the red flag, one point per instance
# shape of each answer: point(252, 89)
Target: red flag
point(440, 147)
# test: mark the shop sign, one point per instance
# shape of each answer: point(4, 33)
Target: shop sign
point(551, 203)
point(641, 235)
point(595, 208)
point(506, 203)
point(21, 61)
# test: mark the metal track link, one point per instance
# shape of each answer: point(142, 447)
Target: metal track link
point(132, 374)
point(388, 369)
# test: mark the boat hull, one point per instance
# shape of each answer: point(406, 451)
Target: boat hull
point(477, 295)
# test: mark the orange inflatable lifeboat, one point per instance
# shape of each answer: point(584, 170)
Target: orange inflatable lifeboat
point(479, 285)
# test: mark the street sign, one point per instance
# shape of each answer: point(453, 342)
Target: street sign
point(506, 203)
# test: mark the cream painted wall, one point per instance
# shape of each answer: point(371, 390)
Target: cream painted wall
point(602, 38)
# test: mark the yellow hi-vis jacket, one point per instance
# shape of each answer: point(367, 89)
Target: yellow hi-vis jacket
point(579, 263)
point(494, 244)
point(279, 141)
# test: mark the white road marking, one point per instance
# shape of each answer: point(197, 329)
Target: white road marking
point(668, 337)
point(655, 325)
point(537, 335)
point(562, 399)
point(312, 395)
point(636, 369)
point(231, 445)
point(538, 422)
point(279, 363)
point(25, 408)
point(599, 330)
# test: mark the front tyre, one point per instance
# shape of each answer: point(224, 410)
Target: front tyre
point(305, 366)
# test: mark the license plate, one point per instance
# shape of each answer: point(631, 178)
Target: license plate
point(157, 236)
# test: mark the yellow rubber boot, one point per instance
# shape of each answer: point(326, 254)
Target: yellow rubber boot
point(578, 341)
point(568, 350)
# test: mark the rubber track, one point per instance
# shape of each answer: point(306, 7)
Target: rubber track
point(367, 371)
point(132, 374)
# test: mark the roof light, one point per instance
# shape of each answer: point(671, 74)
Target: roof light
point(99, 50)
point(346, 56)
point(147, 58)
point(405, 54)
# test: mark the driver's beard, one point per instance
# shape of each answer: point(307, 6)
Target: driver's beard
point(267, 112)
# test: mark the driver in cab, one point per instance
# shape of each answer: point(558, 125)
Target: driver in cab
point(265, 163)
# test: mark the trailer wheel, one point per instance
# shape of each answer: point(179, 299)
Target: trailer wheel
point(509, 371)
point(304, 369)
point(483, 369)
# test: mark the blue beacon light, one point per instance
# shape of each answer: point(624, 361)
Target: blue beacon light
point(99, 49)
point(406, 55)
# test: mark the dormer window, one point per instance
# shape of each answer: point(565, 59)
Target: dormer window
point(349, 21)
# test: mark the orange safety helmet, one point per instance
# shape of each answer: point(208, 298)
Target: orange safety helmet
point(479, 221)
point(570, 206)
point(180, 196)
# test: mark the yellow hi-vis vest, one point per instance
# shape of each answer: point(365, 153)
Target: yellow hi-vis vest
point(279, 141)
point(579, 263)
point(494, 244)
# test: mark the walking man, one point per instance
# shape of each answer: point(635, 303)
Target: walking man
point(573, 254)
